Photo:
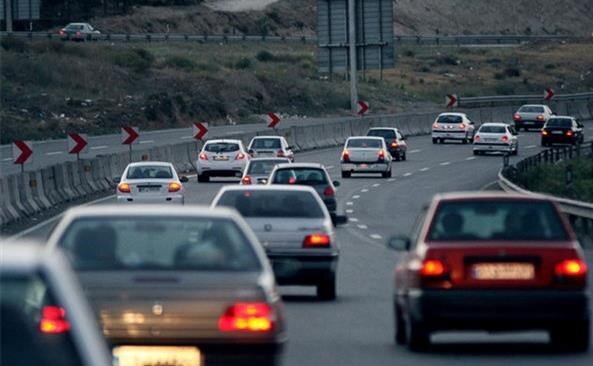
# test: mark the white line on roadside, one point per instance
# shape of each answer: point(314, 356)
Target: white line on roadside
point(470, 158)
point(146, 142)
point(99, 147)
point(329, 167)
point(362, 226)
point(349, 203)
point(353, 219)
point(186, 137)
point(7, 159)
point(445, 163)
point(425, 169)
point(414, 151)
point(350, 211)
point(407, 174)
point(376, 185)
point(355, 197)
point(531, 147)
point(364, 190)
point(391, 180)
point(54, 153)
point(376, 236)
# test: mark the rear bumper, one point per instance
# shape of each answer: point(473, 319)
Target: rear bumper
point(497, 309)
point(449, 135)
point(492, 147)
point(302, 270)
point(164, 200)
point(558, 139)
point(375, 167)
point(230, 170)
point(529, 124)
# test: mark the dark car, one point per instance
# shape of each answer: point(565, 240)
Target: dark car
point(79, 32)
point(562, 130)
point(176, 286)
point(495, 262)
point(394, 139)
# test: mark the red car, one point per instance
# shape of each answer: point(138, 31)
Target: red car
point(495, 262)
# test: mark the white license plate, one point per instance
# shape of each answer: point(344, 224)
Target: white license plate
point(157, 355)
point(148, 189)
point(557, 132)
point(503, 271)
point(363, 165)
point(528, 122)
point(221, 158)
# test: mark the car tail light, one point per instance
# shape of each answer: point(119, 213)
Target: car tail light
point(316, 241)
point(504, 139)
point(517, 117)
point(62, 32)
point(280, 154)
point(462, 125)
point(246, 180)
point(124, 188)
point(435, 125)
point(571, 268)
point(432, 268)
point(247, 317)
point(329, 192)
point(540, 117)
point(545, 133)
point(53, 320)
point(345, 155)
point(174, 187)
point(203, 156)
point(569, 133)
point(78, 33)
point(381, 155)
point(394, 144)
point(240, 156)
point(477, 138)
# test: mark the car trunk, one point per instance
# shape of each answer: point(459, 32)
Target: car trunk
point(364, 155)
point(149, 187)
point(284, 233)
point(491, 137)
point(530, 116)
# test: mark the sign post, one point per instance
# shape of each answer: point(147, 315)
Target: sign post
point(22, 152)
point(129, 136)
point(77, 144)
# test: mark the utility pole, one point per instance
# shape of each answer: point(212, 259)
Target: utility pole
point(8, 15)
point(353, 66)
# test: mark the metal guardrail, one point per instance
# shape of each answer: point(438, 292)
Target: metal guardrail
point(519, 99)
point(485, 39)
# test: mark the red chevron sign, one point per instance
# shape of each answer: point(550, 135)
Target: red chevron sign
point(548, 94)
point(22, 151)
point(77, 143)
point(129, 135)
point(200, 130)
point(363, 108)
point(272, 119)
point(452, 101)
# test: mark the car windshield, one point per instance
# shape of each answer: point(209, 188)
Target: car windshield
point(450, 119)
point(492, 129)
point(150, 172)
point(559, 122)
point(158, 243)
point(364, 143)
point(305, 176)
point(272, 203)
point(221, 147)
point(263, 167)
point(386, 134)
point(497, 220)
point(532, 109)
point(266, 144)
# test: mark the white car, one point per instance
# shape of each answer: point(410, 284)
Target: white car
point(496, 137)
point(452, 126)
point(270, 146)
point(532, 116)
point(258, 170)
point(150, 182)
point(221, 158)
point(366, 154)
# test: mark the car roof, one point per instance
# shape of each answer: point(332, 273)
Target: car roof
point(223, 140)
point(150, 163)
point(476, 195)
point(22, 256)
point(494, 124)
point(76, 23)
point(365, 138)
point(453, 114)
point(148, 210)
point(300, 165)
point(563, 117)
point(267, 137)
point(274, 187)
point(533, 105)
point(383, 128)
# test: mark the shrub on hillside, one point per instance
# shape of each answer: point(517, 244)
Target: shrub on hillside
point(265, 56)
point(243, 63)
point(14, 44)
point(180, 62)
point(139, 60)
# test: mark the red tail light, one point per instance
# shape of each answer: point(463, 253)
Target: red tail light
point(203, 156)
point(462, 125)
point(477, 138)
point(432, 268)
point(316, 241)
point(435, 125)
point(345, 155)
point(78, 33)
point(571, 268)
point(246, 180)
point(62, 32)
point(240, 156)
point(394, 144)
point(124, 188)
point(175, 187)
point(53, 320)
point(517, 117)
point(540, 117)
point(280, 154)
point(329, 192)
point(247, 317)
point(381, 155)
point(504, 139)
point(545, 133)
point(569, 133)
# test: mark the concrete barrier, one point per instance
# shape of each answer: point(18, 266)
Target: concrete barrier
point(9, 212)
point(36, 185)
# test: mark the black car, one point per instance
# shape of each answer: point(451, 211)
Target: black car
point(562, 130)
point(394, 139)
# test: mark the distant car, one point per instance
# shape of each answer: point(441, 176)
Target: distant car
point(258, 170)
point(270, 146)
point(44, 316)
point(79, 32)
point(496, 137)
point(495, 262)
point(453, 126)
point(175, 286)
point(562, 130)
point(295, 229)
point(221, 158)
point(532, 116)
point(151, 182)
point(365, 154)
point(394, 139)
point(309, 174)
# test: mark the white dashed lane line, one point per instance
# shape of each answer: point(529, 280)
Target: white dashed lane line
point(349, 203)
point(407, 174)
point(355, 197)
point(364, 190)
point(445, 163)
point(424, 169)
point(353, 219)
point(362, 227)
point(376, 185)
point(391, 180)
point(414, 151)
point(376, 236)
point(54, 153)
point(99, 147)
point(470, 158)
point(349, 211)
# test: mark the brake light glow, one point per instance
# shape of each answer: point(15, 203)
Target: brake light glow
point(175, 187)
point(517, 117)
point(203, 156)
point(53, 320)
point(432, 268)
point(280, 154)
point(62, 32)
point(504, 139)
point(246, 180)
point(78, 33)
point(329, 192)
point(394, 144)
point(240, 156)
point(435, 125)
point(462, 125)
point(124, 188)
point(544, 132)
point(345, 155)
point(381, 154)
point(477, 138)
point(316, 241)
point(571, 268)
point(569, 133)
point(540, 117)
point(247, 317)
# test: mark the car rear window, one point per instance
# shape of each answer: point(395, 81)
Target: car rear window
point(559, 122)
point(75, 27)
point(158, 243)
point(364, 143)
point(386, 134)
point(266, 144)
point(493, 129)
point(264, 167)
point(305, 176)
point(149, 172)
point(272, 203)
point(532, 109)
point(22, 299)
point(450, 119)
point(497, 220)
point(221, 147)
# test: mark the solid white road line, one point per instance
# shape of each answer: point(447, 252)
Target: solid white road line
point(362, 227)
point(445, 163)
point(54, 153)
point(99, 147)
point(425, 169)
point(376, 236)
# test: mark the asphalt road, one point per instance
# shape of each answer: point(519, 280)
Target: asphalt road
point(357, 328)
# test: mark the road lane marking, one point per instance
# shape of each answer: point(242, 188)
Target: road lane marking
point(531, 147)
point(407, 174)
point(364, 190)
point(470, 158)
point(414, 151)
point(376, 185)
point(186, 137)
point(349, 211)
point(99, 147)
point(355, 197)
point(376, 236)
point(445, 163)
point(349, 203)
point(353, 219)
point(7, 159)
point(391, 180)
point(425, 169)
point(329, 167)
point(362, 226)
point(54, 153)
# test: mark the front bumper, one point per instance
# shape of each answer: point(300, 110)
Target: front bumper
point(497, 309)
point(366, 167)
point(290, 269)
point(155, 200)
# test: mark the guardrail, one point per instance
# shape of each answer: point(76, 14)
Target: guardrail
point(310, 39)
point(520, 99)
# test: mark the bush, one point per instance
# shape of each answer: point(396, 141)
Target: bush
point(139, 60)
point(10, 43)
point(499, 76)
point(180, 62)
point(265, 56)
point(243, 63)
point(512, 72)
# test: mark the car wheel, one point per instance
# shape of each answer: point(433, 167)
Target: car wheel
point(572, 337)
point(326, 290)
point(441, 141)
point(516, 151)
point(418, 336)
point(404, 156)
point(346, 174)
point(386, 174)
point(434, 140)
point(476, 152)
point(203, 178)
point(400, 325)
point(398, 157)
point(465, 140)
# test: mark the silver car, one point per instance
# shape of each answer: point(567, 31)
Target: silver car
point(258, 170)
point(366, 154)
point(496, 137)
point(176, 285)
point(453, 126)
point(45, 318)
point(79, 32)
point(270, 146)
point(294, 227)
point(150, 182)
point(532, 116)
point(221, 158)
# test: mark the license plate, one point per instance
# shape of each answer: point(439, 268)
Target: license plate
point(221, 158)
point(557, 132)
point(148, 355)
point(503, 271)
point(149, 189)
point(363, 165)
point(528, 122)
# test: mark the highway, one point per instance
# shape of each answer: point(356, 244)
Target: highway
point(357, 329)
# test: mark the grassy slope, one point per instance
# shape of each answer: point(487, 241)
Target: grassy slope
point(45, 85)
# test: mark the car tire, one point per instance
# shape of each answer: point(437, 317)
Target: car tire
point(203, 178)
point(516, 151)
point(397, 157)
point(465, 140)
point(400, 334)
point(346, 174)
point(418, 337)
point(434, 140)
point(386, 174)
point(326, 290)
point(572, 337)
point(476, 152)
point(404, 156)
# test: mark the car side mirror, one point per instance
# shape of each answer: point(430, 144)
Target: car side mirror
point(250, 152)
point(289, 147)
point(116, 180)
point(399, 243)
point(339, 219)
point(580, 125)
point(184, 179)
point(471, 123)
point(336, 183)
